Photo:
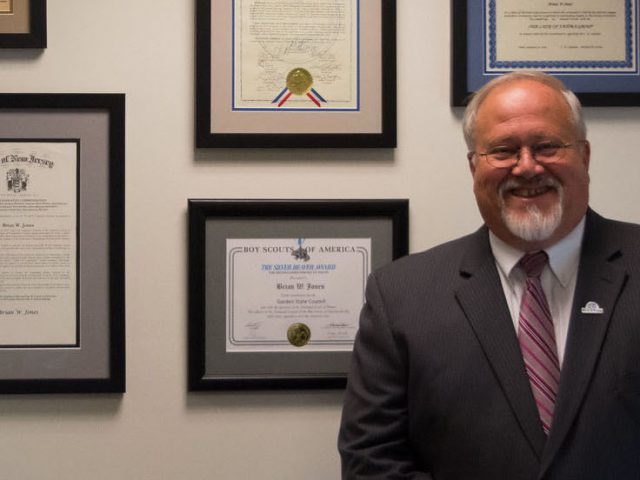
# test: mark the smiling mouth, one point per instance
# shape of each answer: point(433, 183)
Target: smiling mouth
point(529, 192)
point(532, 188)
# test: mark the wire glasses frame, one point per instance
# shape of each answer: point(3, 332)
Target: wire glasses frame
point(545, 153)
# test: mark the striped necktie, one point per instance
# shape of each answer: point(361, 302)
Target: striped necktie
point(537, 339)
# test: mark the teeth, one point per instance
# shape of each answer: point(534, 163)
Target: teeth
point(530, 192)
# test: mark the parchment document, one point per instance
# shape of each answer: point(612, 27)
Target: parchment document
point(597, 35)
point(273, 38)
point(295, 294)
point(38, 246)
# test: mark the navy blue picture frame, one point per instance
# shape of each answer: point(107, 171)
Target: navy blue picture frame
point(468, 71)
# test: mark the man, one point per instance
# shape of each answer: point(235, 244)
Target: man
point(471, 364)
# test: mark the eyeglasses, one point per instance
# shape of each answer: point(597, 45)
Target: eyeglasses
point(545, 153)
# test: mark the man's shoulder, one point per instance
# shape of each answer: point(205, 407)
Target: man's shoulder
point(440, 260)
point(614, 232)
point(633, 229)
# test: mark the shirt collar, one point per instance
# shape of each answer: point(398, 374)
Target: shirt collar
point(563, 255)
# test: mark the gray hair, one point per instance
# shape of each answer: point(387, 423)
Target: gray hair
point(470, 113)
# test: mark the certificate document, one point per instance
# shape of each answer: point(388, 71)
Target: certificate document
point(563, 36)
point(38, 242)
point(295, 294)
point(295, 54)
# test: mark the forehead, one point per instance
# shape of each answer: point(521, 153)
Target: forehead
point(523, 105)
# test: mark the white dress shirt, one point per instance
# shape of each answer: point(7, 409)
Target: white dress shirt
point(558, 279)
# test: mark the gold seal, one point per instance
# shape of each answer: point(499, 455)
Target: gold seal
point(299, 81)
point(298, 334)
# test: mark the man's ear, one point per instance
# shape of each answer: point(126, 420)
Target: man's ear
point(586, 154)
point(471, 158)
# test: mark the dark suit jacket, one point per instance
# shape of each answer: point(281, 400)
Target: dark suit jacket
point(438, 388)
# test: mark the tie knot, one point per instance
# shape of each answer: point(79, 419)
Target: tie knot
point(533, 263)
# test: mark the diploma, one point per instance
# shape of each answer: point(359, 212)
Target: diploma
point(295, 294)
point(563, 36)
point(290, 54)
point(38, 246)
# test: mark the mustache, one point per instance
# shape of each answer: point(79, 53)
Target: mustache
point(537, 182)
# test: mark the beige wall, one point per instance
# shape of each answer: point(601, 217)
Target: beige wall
point(144, 48)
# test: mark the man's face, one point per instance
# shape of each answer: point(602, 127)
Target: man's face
point(530, 205)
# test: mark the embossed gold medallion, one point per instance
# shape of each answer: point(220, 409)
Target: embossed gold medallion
point(299, 81)
point(298, 334)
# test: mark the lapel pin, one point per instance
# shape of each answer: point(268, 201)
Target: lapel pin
point(592, 308)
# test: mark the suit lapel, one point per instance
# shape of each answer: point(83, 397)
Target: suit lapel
point(599, 280)
point(481, 297)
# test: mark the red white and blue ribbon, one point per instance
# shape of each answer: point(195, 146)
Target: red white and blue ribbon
point(312, 94)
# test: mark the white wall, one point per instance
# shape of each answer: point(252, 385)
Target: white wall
point(145, 49)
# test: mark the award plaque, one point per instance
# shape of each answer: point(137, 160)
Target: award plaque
point(591, 45)
point(61, 243)
point(23, 23)
point(285, 73)
point(276, 287)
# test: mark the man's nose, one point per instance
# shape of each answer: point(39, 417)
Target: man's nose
point(527, 165)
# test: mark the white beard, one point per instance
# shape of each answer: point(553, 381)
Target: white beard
point(533, 225)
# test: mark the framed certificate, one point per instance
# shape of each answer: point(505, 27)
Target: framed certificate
point(285, 73)
point(591, 45)
point(276, 287)
point(23, 23)
point(61, 243)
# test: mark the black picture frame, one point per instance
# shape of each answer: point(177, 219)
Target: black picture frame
point(468, 72)
point(372, 125)
point(95, 363)
point(36, 36)
point(211, 222)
